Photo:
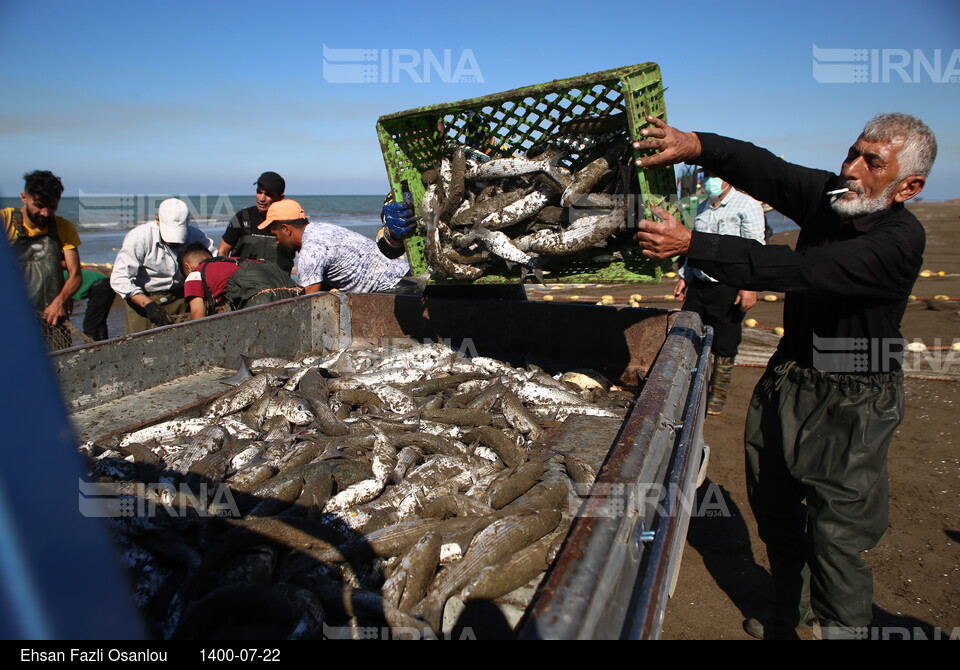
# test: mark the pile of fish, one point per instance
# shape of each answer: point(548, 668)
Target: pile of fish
point(565, 196)
point(325, 495)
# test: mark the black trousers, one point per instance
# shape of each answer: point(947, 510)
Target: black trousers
point(714, 303)
point(99, 301)
point(816, 465)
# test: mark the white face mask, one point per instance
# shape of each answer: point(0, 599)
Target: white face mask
point(713, 186)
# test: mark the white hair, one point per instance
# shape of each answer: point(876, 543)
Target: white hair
point(919, 145)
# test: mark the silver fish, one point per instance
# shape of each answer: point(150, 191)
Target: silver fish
point(177, 428)
point(584, 181)
point(294, 409)
point(208, 440)
point(502, 168)
point(521, 210)
point(500, 245)
point(585, 232)
point(501, 539)
point(240, 396)
point(439, 261)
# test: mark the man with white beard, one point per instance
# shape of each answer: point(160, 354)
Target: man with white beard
point(823, 414)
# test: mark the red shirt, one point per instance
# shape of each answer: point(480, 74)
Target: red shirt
point(216, 274)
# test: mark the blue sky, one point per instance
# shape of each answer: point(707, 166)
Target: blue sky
point(202, 96)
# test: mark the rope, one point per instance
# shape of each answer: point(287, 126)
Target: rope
point(297, 290)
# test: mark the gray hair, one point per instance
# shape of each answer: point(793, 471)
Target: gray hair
point(919, 145)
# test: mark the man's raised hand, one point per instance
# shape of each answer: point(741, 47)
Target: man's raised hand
point(671, 145)
point(665, 239)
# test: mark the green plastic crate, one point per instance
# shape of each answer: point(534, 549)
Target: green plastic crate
point(414, 141)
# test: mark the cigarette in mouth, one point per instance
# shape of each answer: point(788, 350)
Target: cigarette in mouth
point(838, 191)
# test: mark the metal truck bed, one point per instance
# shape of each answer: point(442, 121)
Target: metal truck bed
point(613, 574)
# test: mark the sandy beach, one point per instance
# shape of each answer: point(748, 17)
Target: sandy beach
point(724, 577)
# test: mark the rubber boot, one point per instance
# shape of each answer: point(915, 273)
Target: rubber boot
point(719, 384)
point(791, 582)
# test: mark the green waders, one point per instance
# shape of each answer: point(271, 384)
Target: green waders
point(263, 247)
point(253, 283)
point(821, 438)
point(258, 284)
point(39, 258)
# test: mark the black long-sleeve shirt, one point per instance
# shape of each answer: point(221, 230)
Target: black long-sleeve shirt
point(847, 282)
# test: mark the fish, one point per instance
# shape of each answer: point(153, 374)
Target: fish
point(433, 242)
point(438, 384)
point(240, 397)
point(454, 187)
point(424, 457)
point(566, 197)
point(458, 417)
point(161, 432)
point(275, 499)
point(417, 568)
point(264, 363)
point(527, 564)
point(208, 440)
point(499, 540)
point(356, 494)
point(248, 479)
point(483, 208)
point(520, 210)
point(538, 393)
point(370, 381)
point(584, 181)
point(586, 231)
point(500, 168)
point(242, 374)
point(294, 408)
point(508, 489)
point(505, 448)
point(394, 399)
point(371, 607)
point(455, 504)
point(407, 457)
point(517, 416)
point(501, 246)
point(580, 471)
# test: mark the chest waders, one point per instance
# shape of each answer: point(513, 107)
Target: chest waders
point(262, 247)
point(253, 283)
point(39, 258)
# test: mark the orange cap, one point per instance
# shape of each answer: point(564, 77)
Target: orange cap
point(283, 210)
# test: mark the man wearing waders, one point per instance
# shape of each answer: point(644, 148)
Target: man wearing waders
point(215, 285)
point(823, 414)
point(243, 239)
point(45, 244)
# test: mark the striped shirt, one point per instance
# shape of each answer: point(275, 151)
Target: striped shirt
point(345, 260)
point(737, 214)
